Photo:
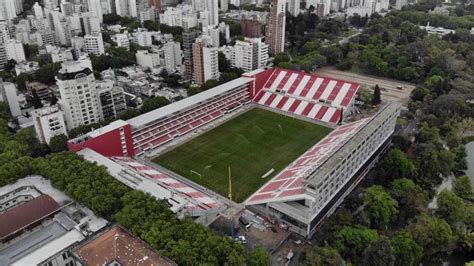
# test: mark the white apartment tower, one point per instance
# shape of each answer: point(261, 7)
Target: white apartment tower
point(93, 44)
point(173, 56)
point(48, 122)
point(7, 9)
point(8, 94)
point(14, 50)
point(213, 8)
point(250, 54)
point(294, 7)
point(78, 91)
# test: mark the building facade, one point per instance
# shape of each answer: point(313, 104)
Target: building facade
point(93, 44)
point(48, 122)
point(250, 54)
point(275, 29)
point(326, 173)
point(205, 62)
point(78, 92)
point(111, 100)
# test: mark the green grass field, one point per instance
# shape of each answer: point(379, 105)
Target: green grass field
point(251, 144)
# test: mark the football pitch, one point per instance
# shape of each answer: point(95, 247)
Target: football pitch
point(251, 145)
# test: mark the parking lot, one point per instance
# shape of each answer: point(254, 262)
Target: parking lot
point(388, 87)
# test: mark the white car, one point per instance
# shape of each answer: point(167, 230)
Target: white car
point(241, 239)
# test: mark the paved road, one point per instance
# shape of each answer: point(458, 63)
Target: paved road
point(388, 86)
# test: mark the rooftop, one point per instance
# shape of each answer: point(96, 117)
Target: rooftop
point(18, 218)
point(164, 111)
point(116, 244)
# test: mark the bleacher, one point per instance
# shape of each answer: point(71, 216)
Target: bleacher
point(188, 119)
point(307, 95)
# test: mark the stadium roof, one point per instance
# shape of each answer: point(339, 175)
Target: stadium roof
point(118, 245)
point(164, 111)
point(25, 214)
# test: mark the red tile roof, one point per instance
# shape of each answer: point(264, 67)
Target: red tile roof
point(116, 244)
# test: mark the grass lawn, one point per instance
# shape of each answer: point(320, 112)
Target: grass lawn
point(251, 144)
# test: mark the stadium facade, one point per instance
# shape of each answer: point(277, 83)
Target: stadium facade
point(306, 191)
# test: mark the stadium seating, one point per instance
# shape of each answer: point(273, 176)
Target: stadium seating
point(166, 129)
point(289, 182)
point(199, 202)
point(307, 95)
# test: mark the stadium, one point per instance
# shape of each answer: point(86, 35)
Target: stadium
point(279, 141)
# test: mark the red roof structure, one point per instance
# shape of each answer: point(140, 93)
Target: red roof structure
point(20, 217)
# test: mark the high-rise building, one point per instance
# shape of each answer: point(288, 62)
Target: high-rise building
point(294, 7)
point(173, 56)
point(89, 23)
point(156, 4)
point(250, 54)
point(48, 122)
point(205, 61)
point(59, 22)
point(214, 33)
point(213, 8)
point(8, 94)
point(38, 11)
point(251, 27)
point(111, 100)
point(93, 44)
point(7, 9)
point(224, 5)
point(4, 37)
point(189, 37)
point(14, 50)
point(95, 8)
point(275, 32)
point(78, 91)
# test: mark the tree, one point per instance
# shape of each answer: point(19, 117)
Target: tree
point(58, 143)
point(10, 65)
point(462, 187)
point(351, 241)
point(279, 58)
point(322, 256)
point(411, 198)
point(36, 100)
point(376, 96)
point(450, 207)
point(259, 257)
point(53, 100)
point(432, 234)
point(396, 164)
point(46, 73)
point(224, 63)
point(31, 50)
point(209, 84)
point(379, 252)
point(380, 207)
point(153, 103)
point(406, 250)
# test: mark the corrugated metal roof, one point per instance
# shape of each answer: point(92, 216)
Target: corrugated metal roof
point(25, 214)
